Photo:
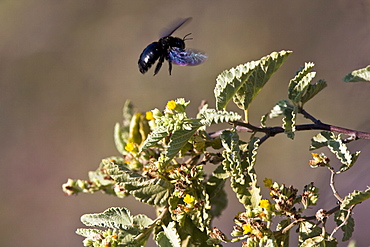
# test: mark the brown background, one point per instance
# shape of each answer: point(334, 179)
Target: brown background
point(66, 68)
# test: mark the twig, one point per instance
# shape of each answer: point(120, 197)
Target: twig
point(349, 212)
point(332, 184)
point(305, 218)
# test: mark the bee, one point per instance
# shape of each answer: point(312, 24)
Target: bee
point(171, 49)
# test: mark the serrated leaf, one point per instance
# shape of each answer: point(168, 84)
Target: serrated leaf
point(289, 121)
point(312, 90)
point(230, 81)
point(348, 228)
point(358, 75)
point(118, 139)
point(178, 140)
point(262, 72)
point(279, 108)
point(245, 81)
point(88, 233)
point(151, 191)
point(308, 230)
point(355, 197)
point(154, 137)
point(336, 146)
point(169, 237)
point(142, 220)
point(212, 116)
point(299, 84)
point(114, 218)
point(319, 241)
point(284, 108)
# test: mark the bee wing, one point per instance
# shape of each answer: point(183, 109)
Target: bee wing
point(186, 57)
point(178, 23)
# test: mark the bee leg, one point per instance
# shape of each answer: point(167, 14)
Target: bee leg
point(159, 65)
point(169, 67)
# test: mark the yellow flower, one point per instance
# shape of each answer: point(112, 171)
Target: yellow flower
point(189, 199)
point(130, 147)
point(171, 105)
point(264, 203)
point(268, 182)
point(149, 115)
point(247, 228)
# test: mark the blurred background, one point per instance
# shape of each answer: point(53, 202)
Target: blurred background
point(67, 67)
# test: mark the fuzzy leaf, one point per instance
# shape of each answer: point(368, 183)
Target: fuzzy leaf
point(260, 75)
point(336, 146)
point(154, 137)
point(358, 75)
point(114, 218)
point(169, 237)
point(212, 116)
point(348, 227)
point(355, 197)
point(179, 138)
point(299, 84)
point(312, 90)
point(118, 139)
point(244, 82)
point(151, 191)
point(230, 81)
point(88, 232)
point(283, 107)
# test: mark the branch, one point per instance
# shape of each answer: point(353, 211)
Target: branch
point(317, 125)
point(305, 218)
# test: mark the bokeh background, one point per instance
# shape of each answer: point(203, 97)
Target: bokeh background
point(66, 68)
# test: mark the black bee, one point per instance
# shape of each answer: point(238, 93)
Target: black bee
point(172, 49)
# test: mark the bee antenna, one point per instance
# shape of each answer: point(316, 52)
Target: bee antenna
point(187, 36)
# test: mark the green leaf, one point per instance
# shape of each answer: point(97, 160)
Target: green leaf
point(114, 218)
point(245, 81)
point(308, 230)
point(179, 138)
point(151, 191)
point(289, 111)
point(212, 116)
point(358, 75)
point(168, 237)
point(261, 74)
point(299, 84)
point(319, 241)
point(354, 198)
point(118, 139)
point(336, 146)
point(88, 233)
point(312, 90)
point(218, 197)
point(348, 227)
point(154, 137)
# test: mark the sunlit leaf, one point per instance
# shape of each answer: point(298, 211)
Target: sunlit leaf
point(212, 116)
point(178, 140)
point(168, 237)
point(355, 197)
point(312, 90)
point(267, 66)
point(358, 75)
point(154, 137)
point(336, 146)
point(245, 81)
point(348, 228)
point(299, 84)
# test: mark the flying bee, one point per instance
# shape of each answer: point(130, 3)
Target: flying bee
point(171, 49)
